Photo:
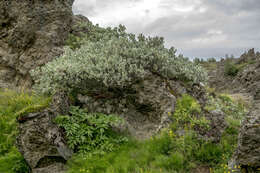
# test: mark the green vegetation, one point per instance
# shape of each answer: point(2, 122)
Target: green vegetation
point(208, 64)
point(178, 149)
point(90, 132)
point(74, 42)
point(188, 114)
point(13, 104)
point(112, 58)
point(235, 109)
point(230, 69)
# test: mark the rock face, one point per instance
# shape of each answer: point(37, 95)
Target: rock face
point(248, 152)
point(31, 34)
point(41, 142)
point(246, 82)
point(144, 106)
point(147, 104)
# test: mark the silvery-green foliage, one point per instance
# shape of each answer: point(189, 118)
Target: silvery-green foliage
point(113, 58)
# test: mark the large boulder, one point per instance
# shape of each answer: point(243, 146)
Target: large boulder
point(248, 151)
point(31, 34)
point(145, 106)
point(41, 141)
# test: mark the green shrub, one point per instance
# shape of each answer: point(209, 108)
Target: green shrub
point(74, 42)
point(188, 113)
point(12, 103)
point(230, 69)
point(90, 132)
point(113, 58)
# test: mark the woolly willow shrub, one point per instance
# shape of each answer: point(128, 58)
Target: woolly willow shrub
point(113, 58)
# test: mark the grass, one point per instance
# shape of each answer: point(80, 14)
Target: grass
point(164, 154)
point(169, 152)
point(12, 104)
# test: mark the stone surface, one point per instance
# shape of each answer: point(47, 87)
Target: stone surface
point(31, 34)
point(246, 83)
point(42, 144)
point(144, 106)
point(41, 141)
point(217, 125)
point(248, 151)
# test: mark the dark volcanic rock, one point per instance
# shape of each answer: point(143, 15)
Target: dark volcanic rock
point(41, 141)
point(248, 152)
point(31, 34)
point(144, 106)
point(246, 82)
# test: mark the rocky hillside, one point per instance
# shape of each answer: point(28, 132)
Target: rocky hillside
point(31, 34)
point(102, 100)
point(245, 83)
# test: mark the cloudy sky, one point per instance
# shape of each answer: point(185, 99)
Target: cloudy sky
point(197, 28)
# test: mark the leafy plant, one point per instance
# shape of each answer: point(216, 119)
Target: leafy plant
point(113, 58)
point(230, 69)
point(74, 42)
point(90, 132)
point(188, 113)
point(171, 151)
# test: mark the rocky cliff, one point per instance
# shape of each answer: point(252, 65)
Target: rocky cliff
point(31, 34)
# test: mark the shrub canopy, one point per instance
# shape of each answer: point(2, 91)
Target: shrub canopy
point(113, 58)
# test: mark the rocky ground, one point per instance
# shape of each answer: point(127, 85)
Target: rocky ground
point(245, 85)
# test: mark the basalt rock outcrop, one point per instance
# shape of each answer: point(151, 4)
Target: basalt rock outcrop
point(145, 106)
point(41, 141)
point(248, 151)
point(246, 83)
point(31, 34)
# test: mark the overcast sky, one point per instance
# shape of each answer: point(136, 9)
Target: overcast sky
point(197, 28)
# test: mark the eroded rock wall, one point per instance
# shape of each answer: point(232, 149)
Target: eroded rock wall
point(247, 84)
point(41, 141)
point(32, 32)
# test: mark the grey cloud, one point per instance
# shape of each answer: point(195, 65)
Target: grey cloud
point(236, 23)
